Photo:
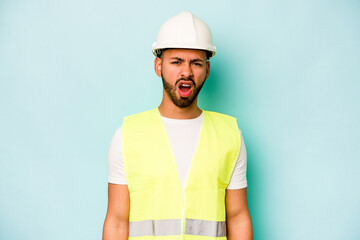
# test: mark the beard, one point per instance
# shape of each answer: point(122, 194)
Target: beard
point(181, 102)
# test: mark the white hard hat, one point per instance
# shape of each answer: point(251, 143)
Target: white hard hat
point(184, 31)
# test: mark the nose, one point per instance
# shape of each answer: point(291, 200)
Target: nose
point(186, 70)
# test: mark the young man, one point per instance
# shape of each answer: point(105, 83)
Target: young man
point(177, 171)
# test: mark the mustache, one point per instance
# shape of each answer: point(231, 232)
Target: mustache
point(185, 79)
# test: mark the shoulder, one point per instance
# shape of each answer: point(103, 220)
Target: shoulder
point(139, 122)
point(141, 118)
point(216, 116)
point(227, 124)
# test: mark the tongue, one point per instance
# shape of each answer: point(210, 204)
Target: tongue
point(184, 91)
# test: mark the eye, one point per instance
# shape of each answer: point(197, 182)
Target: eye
point(175, 62)
point(197, 64)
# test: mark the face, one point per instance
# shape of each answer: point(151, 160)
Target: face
point(183, 72)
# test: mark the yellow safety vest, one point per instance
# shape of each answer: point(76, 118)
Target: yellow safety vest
point(159, 207)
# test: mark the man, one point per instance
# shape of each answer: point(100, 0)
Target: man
point(177, 171)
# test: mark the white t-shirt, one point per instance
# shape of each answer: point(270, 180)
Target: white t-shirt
point(183, 135)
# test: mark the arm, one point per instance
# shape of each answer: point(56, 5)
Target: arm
point(116, 225)
point(238, 221)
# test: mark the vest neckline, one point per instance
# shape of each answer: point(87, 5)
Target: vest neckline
point(165, 134)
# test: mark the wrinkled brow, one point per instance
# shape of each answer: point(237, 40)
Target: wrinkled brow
point(192, 60)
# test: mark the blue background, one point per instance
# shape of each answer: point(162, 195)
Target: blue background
point(288, 70)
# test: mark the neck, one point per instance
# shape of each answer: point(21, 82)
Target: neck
point(170, 110)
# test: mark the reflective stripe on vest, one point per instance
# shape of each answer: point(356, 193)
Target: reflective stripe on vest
point(173, 227)
point(195, 210)
point(155, 227)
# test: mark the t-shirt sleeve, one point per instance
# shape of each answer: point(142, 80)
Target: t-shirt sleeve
point(116, 173)
point(238, 177)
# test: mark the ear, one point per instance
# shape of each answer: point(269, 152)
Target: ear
point(207, 69)
point(157, 66)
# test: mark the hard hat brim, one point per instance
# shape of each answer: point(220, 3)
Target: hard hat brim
point(156, 47)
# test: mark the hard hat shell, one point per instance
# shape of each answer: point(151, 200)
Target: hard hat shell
point(184, 31)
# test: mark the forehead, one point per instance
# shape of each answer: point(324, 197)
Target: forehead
point(184, 53)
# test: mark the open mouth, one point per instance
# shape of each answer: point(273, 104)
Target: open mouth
point(185, 89)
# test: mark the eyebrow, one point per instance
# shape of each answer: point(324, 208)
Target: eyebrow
point(192, 60)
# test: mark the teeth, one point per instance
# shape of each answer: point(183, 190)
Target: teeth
point(185, 85)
